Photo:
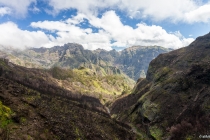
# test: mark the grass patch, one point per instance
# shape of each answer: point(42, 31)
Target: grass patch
point(156, 132)
point(161, 74)
point(5, 115)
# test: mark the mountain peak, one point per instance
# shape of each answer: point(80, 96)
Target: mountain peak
point(138, 47)
point(207, 36)
point(73, 45)
point(201, 41)
point(56, 48)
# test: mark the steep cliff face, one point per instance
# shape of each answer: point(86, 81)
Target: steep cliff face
point(173, 100)
point(134, 61)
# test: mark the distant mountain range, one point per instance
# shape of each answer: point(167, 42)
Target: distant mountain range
point(133, 61)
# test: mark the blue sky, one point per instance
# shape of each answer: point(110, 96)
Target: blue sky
point(102, 24)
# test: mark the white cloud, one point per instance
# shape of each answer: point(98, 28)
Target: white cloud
point(77, 19)
point(5, 11)
point(170, 10)
point(35, 9)
point(189, 11)
point(158, 10)
point(111, 32)
point(200, 14)
point(67, 32)
point(156, 35)
point(110, 28)
point(126, 36)
point(89, 7)
point(18, 7)
point(12, 36)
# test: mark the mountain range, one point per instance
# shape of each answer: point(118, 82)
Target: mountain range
point(133, 61)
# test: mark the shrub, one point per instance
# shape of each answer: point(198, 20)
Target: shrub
point(5, 114)
point(180, 130)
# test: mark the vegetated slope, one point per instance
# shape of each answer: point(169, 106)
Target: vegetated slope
point(87, 82)
point(32, 106)
point(133, 61)
point(173, 101)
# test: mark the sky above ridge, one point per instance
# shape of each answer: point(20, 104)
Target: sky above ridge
point(102, 24)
